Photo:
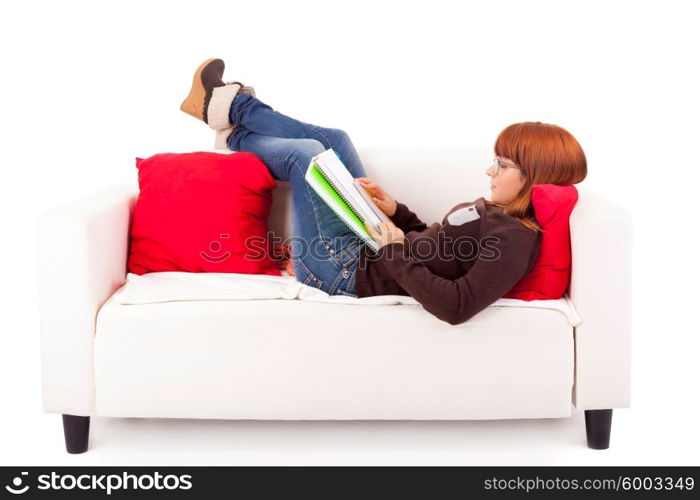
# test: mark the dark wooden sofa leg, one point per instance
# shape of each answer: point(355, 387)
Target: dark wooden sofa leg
point(598, 424)
point(76, 430)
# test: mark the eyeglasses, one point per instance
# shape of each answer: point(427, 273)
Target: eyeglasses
point(503, 164)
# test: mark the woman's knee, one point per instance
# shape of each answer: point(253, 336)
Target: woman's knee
point(303, 150)
point(339, 136)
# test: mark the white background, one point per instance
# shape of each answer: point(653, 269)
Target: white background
point(88, 86)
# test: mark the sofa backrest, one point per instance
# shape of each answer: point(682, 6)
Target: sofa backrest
point(428, 181)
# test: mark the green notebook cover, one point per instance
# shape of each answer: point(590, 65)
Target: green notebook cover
point(318, 181)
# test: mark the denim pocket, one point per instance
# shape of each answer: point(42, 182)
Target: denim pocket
point(304, 275)
point(346, 281)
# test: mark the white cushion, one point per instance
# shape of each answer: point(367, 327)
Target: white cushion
point(316, 359)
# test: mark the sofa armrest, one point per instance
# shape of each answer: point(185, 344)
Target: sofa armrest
point(601, 288)
point(82, 251)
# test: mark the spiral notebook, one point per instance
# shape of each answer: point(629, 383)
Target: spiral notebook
point(330, 179)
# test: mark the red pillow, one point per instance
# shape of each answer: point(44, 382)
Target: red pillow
point(550, 276)
point(195, 212)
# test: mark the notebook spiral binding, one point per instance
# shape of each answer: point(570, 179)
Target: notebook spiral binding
point(340, 193)
point(371, 244)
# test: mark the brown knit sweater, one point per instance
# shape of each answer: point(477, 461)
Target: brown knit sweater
point(455, 268)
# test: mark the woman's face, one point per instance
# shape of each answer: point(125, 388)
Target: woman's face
point(506, 180)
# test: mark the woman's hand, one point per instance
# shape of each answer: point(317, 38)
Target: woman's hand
point(389, 233)
point(380, 197)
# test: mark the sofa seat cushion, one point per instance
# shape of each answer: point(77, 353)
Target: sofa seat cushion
point(305, 359)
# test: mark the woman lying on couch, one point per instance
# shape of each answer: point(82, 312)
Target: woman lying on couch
point(452, 286)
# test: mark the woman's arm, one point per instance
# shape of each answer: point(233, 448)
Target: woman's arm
point(407, 220)
point(512, 253)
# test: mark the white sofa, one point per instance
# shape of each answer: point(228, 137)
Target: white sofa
point(188, 351)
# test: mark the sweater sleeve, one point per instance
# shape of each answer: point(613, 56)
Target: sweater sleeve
point(455, 301)
point(407, 220)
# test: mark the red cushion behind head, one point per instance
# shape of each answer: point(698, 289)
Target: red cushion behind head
point(202, 212)
point(551, 273)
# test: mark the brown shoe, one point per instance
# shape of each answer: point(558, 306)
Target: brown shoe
point(210, 98)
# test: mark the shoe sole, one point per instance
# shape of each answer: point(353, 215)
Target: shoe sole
point(194, 102)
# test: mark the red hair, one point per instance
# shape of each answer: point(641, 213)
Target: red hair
point(547, 154)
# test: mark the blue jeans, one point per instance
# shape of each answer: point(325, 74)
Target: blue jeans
point(324, 251)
